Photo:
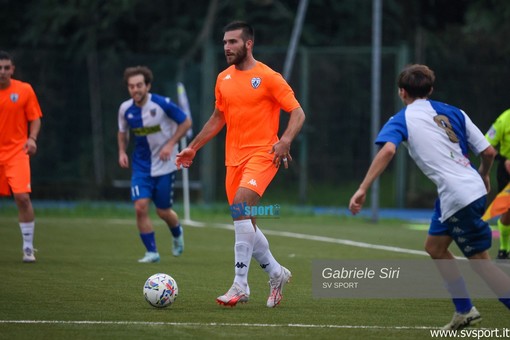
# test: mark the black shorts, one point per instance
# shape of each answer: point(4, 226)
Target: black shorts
point(502, 175)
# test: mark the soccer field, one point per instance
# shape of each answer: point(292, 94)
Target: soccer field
point(87, 284)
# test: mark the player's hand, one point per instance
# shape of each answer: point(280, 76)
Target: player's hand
point(357, 201)
point(487, 182)
point(281, 151)
point(123, 160)
point(30, 147)
point(185, 158)
point(166, 152)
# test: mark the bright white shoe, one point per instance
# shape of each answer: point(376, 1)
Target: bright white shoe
point(28, 255)
point(276, 287)
point(150, 257)
point(178, 245)
point(461, 321)
point(234, 295)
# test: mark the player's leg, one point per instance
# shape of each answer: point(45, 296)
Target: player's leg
point(504, 236)
point(244, 237)
point(261, 170)
point(438, 240)
point(163, 200)
point(496, 279)
point(141, 188)
point(278, 274)
point(465, 313)
point(475, 243)
point(27, 225)
point(262, 254)
point(503, 177)
point(17, 174)
point(172, 221)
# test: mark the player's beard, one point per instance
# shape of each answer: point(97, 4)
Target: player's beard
point(239, 57)
point(5, 81)
point(141, 100)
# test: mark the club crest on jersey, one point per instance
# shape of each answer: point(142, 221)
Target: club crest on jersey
point(153, 113)
point(255, 82)
point(14, 97)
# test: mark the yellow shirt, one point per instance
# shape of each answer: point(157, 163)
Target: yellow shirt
point(499, 134)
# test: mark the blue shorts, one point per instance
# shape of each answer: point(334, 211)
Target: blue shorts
point(160, 189)
point(466, 227)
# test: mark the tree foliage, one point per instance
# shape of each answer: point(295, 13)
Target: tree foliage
point(162, 26)
point(464, 40)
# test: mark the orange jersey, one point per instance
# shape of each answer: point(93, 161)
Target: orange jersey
point(251, 102)
point(18, 106)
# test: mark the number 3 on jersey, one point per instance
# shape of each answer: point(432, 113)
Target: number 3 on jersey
point(444, 123)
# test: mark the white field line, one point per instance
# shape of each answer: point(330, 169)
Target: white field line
point(321, 239)
point(199, 224)
point(317, 238)
point(206, 324)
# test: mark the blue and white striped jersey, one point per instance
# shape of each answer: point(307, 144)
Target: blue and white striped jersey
point(152, 126)
point(438, 137)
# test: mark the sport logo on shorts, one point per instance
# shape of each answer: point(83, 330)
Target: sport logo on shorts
point(255, 82)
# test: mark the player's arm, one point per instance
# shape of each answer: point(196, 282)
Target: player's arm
point(379, 164)
point(281, 149)
point(122, 141)
point(182, 128)
point(181, 131)
point(486, 160)
point(30, 146)
point(211, 128)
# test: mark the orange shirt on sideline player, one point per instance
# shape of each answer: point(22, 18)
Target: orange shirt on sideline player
point(18, 106)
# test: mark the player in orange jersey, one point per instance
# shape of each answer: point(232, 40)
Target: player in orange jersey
point(249, 97)
point(20, 122)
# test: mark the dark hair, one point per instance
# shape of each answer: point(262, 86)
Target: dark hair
point(417, 80)
point(136, 70)
point(6, 56)
point(248, 31)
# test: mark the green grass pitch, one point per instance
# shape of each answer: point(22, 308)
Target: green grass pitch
point(87, 284)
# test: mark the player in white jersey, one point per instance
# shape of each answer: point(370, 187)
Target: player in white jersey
point(439, 137)
point(157, 125)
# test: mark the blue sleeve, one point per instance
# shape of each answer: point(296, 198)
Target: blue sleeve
point(458, 122)
point(173, 111)
point(395, 130)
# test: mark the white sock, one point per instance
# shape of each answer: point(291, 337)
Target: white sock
point(245, 237)
point(263, 255)
point(27, 231)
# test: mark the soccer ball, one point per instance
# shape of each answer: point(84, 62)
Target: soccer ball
point(160, 290)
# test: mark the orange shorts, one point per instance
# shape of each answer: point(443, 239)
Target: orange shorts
point(254, 174)
point(15, 176)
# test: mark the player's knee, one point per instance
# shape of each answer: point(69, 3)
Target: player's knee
point(22, 201)
point(141, 209)
point(435, 251)
point(167, 215)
